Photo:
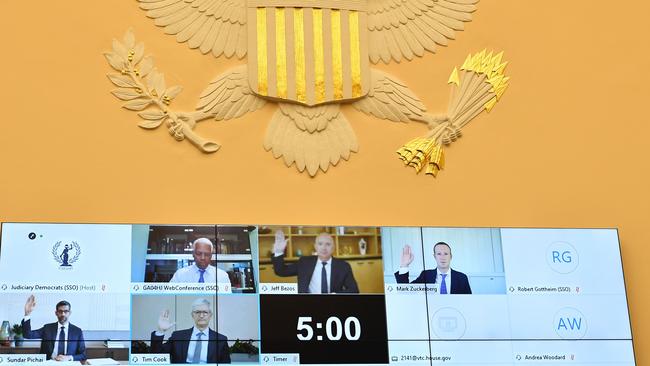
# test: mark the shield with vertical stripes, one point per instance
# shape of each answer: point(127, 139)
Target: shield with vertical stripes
point(308, 51)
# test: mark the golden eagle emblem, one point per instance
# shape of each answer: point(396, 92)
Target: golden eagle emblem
point(310, 56)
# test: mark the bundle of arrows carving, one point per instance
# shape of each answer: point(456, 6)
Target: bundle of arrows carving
point(477, 87)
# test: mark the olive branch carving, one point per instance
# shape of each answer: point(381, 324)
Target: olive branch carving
point(55, 253)
point(78, 252)
point(143, 88)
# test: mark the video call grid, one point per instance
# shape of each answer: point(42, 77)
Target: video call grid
point(428, 340)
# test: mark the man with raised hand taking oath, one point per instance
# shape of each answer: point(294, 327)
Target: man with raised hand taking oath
point(317, 274)
point(448, 280)
point(198, 344)
point(60, 341)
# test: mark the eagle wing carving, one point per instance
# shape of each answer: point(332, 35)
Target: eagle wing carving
point(406, 28)
point(217, 26)
point(229, 96)
point(391, 99)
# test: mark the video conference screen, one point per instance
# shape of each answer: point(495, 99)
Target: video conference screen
point(105, 294)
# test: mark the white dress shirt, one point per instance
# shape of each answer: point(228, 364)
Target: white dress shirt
point(194, 341)
point(191, 274)
point(315, 283)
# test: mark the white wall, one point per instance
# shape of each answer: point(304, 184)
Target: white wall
point(238, 316)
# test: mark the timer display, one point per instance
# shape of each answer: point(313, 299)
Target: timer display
point(326, 328)
point(335, 329)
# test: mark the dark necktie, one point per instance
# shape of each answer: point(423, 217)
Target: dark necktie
point(443, 284)
point(323, 280)
point(201, 279)
point(197, 349)
point(61, 348)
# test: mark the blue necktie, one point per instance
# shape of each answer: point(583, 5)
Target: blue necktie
point(197, 349)
point(201, 279)
point(323, 280)
point(61, 348)
point(443, 285)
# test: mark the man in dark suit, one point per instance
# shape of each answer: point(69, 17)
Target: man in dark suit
point(317, 274)
point(60, 341)
point(448, 280)
point(198, 344)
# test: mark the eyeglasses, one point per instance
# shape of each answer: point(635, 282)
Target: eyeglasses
point(63, 311)
point(201, 312)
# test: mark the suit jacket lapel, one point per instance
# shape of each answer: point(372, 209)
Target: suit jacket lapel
point(307, 269)
point(50, 332)
point(454, 279)
point(212, 345)
point(184, 343)
point(334, 276)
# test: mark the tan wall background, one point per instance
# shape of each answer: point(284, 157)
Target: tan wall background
point(565, 147)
